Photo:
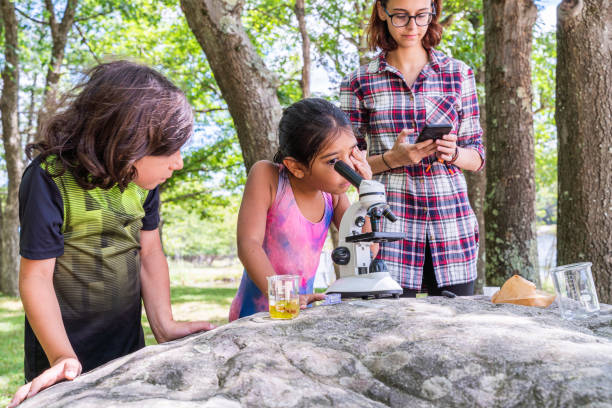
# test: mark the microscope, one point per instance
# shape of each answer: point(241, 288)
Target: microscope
point(360, 275)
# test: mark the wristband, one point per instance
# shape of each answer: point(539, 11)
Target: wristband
point(382, 156)
point(455, 156)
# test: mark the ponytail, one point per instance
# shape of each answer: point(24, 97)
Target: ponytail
point(308, 126)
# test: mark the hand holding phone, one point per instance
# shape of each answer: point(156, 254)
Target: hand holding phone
point(434, 131)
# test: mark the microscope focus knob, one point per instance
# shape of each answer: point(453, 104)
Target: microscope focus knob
point(360, 221)
point(341, 255)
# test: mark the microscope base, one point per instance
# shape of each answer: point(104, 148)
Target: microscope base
point(378, 284)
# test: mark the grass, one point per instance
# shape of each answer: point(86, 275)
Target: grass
point(11, 347)
point(197, 293)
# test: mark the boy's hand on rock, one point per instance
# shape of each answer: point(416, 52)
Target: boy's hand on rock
point(176, 330)
point(66, 368)
point(305, 300)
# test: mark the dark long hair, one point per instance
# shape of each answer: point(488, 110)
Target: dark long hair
point(308, 126)
point(380, 37)
point(122, 112)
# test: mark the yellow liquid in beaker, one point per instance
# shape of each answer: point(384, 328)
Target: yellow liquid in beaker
point(285, 309)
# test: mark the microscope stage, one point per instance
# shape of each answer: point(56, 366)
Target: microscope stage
point(377, 236)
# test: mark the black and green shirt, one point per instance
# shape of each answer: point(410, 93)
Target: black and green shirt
point(95, 237)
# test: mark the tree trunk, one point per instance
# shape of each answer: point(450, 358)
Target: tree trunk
point(477, 182)
point(30, 131)
point(248, 87)
point(511, 239)
point(477, 186)
point(59, 36)
point(12, 151)
point(362, 7)
point(584, 123)
point(300, 13)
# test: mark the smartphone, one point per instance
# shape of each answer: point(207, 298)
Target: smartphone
point(434, 131)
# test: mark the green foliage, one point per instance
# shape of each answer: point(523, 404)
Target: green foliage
point(272, 28)
point(341, 39)
point(464, 38)
point(207, 171)
point(156, 33)
point(201, 237)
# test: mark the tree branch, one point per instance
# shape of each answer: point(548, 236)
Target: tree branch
point(52, 20)
point(447, 21)
point(542, 107)
point(209, 110)
point(351, 40)
point(93, 16)
point(300, 13)
point(68, 18)
point(84, 41)
point(30, 18)
point(199, 168)
point(184, 196)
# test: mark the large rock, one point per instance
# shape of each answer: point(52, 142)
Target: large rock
point(462, 352)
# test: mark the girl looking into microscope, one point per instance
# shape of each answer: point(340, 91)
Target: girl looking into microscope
point(288, 205)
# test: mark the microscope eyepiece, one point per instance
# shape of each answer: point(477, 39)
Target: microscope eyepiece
point(348, 173)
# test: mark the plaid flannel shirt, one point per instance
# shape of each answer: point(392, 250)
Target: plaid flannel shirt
point(431, 204)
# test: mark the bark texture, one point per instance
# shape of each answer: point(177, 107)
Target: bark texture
point(510, 209)
point(9, 272)
point(584, 127)
point(59, 36)
point(247, 86)
point(300, 13)
point(362, 10)
point(477, 187)
point(477, 182)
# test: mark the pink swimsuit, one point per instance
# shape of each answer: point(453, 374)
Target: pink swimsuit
point(293, 245)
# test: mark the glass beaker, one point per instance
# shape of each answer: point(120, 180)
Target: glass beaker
point(283, 296)
point(576, 294)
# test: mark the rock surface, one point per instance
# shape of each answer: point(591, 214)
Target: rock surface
point(431, 352)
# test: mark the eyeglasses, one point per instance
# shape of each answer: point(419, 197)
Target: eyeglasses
point(403, 19)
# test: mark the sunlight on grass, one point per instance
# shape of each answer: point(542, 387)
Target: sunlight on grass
point(11, 347)
point(196, 303)
point(188, 274)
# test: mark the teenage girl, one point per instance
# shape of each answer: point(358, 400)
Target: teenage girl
point(407, 87)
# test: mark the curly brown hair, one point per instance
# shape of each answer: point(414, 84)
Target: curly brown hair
point(122, 112)
point(380, 37)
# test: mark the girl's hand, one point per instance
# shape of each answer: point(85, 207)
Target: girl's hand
point(308, 299)
point(66, 368)
point(404, 153)
point(361, 163)
point(446, 147)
